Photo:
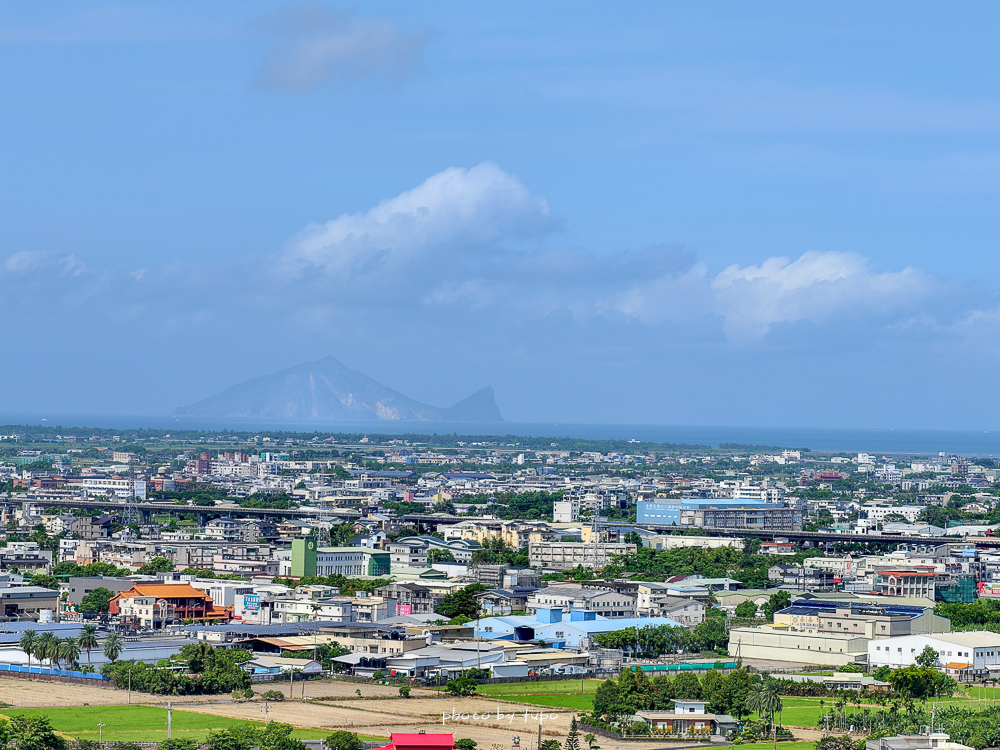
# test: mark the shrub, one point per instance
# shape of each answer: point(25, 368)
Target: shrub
point(272, 695)
point(343, 740)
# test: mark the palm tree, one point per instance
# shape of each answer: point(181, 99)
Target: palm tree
point(764, 699)
point(113, 647)
point(27, 644)
point(52, 651)
point(69, 650)
point(42, 644)
point(88, 640)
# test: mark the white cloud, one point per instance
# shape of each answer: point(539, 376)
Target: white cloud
point(818, 287)
point(453, 213)
point(25, 261)
point(472, 241)
point(30, 261)
point(317, 45)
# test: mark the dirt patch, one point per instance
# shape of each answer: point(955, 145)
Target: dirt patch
point(378, 712)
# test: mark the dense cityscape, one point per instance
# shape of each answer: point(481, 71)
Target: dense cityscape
point(499, 376)
point(447, 560)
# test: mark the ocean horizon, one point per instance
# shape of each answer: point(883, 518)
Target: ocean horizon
point(882, 440)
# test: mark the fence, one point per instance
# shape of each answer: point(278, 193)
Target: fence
point(618, 737)
point(598, 674)
point(689, 666)
point(17, 670)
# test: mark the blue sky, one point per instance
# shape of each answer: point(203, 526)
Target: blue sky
point(666, 213)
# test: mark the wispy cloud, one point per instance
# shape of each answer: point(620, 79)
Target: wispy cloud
point(30, 261)
point(314, 45)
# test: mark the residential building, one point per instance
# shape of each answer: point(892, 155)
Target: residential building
point(689, 718)
point(411, 598)
point(907, 583)
point(566, 555)
point(604, 603)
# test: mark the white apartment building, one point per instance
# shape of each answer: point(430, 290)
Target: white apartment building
point(877, 511)
point(566, 511)
point(115, 486)
point(566, 555)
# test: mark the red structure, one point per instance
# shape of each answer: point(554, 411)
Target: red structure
point(420, 741)
point(182, 600)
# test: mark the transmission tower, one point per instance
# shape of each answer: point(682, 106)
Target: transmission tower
point(131, 514)
point(323, 534)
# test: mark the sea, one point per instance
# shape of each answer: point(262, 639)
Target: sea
point(879, 440)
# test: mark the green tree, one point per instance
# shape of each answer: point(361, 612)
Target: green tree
point(88, 640)
point(33, 733)
point(277, 736)
point(746, 609)
point(176, 743)
point(44, 645)
point(778, 601)
point(343, 740)
point(573, 738)
point(228, 739)
point(687, 686)
point(113, 646)
point(98, 600)
point(404, 691)
point(156, 565)
point(69, 650)
point(440, 555)
point(927, 658)
point(462, 686)
point(27, 644)
point(45, 581)
point(765, 700)
point(466, 744)
point(461, 602)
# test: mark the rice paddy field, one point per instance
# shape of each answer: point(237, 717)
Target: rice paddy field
point(577, 695)
point(137, 723)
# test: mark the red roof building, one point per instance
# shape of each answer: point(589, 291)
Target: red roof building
point(159, 604)
point(422, 741)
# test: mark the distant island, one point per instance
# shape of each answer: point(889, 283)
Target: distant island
point(327, 389)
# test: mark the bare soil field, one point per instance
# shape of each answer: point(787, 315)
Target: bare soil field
point(335, 704)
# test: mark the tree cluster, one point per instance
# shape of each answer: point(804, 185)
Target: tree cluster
point(209, 671)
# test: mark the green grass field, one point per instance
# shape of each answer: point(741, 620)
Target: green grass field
point(781, 746)
point(577, 695)
point(798, 712)
point(138, 723)
point(574, 702)
point(541, 688)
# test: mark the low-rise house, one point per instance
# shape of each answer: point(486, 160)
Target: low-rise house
point(604, 603)
point(411, 598)
point(688, 718)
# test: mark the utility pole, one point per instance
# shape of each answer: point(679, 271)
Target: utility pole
point(130, 685)
point(100, 732)
point(291, 682)
point(539, 730)
point(266, 710)
point(170, 717)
